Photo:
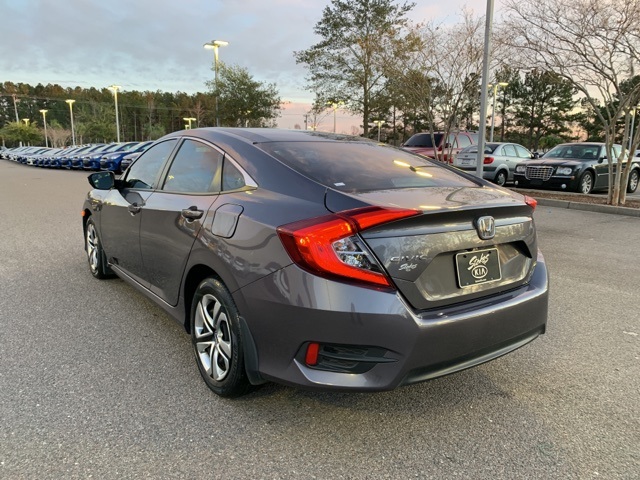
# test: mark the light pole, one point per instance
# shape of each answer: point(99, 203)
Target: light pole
point(214, 44)
point(15, 107)
point(493, 107)
point(379, 124)
point(73, 132)
point(44, 121)
point(634, 110)
point(188, 119)
point(335, 106)
point(115, 89)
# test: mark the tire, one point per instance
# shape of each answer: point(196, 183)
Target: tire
point(95, 255)
point(586, 183)
point(632, 186)
point(216, 339)
point(501, 178)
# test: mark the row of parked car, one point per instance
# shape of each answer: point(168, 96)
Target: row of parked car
point(576, 167)
point(113, 157)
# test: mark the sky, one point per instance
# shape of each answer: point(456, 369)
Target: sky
point(158, 44)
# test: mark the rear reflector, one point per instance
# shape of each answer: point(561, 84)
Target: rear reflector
point(311, 358)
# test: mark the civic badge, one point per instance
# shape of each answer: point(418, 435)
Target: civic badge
point(486, 227)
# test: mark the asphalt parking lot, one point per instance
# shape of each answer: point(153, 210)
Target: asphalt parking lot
point(95, 381)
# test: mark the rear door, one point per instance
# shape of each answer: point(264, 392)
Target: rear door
point(174, 213)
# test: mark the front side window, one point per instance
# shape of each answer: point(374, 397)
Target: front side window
point(195, 169)
point(522, 152)
point(143, 173)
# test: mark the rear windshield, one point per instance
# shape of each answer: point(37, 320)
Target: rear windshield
point(424, 140)
point(488, 148)
point(359, 167)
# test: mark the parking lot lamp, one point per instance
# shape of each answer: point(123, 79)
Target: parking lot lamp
point(26, 121)
point(115, 89)
point(15, 107)
point(213, 45)
point(379, 124)
point(188, 119)
point(493, 108)
point(44, 122)
point(335, 106)
point(73, 132)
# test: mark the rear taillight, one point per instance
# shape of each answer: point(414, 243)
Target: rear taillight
point(488, 160)
point(329, 246)
point(532, 202)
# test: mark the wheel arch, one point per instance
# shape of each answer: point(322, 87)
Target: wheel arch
point(196, 274)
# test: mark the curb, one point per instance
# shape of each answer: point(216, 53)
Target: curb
point(589, 207)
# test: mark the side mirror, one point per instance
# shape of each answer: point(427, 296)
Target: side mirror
point(102, 180)
point(602, 159)
point(447, 145)
point(535, 155)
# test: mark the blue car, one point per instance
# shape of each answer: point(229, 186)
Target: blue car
point(64, 159)
point(75, 161)
point(91, 161)
point(112, 161)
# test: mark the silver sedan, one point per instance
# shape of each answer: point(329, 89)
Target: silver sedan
point(500, 160)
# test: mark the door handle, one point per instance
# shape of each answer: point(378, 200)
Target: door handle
point(192, 213)
point(134, 208)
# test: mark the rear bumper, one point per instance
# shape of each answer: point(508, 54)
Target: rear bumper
point(287, 310)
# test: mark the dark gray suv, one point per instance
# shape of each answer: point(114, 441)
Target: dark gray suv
point(318, 260)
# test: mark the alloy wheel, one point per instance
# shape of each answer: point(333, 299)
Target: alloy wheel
point(586, 183)
point(213, 337)
point(92, 247)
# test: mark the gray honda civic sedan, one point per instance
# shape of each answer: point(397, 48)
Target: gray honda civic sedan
point(320, 260)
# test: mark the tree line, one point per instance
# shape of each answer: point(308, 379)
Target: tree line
point(146, 115)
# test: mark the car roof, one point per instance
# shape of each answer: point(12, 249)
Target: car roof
point(264, 135)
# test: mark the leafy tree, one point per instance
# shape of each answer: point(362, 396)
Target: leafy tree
point(28, 134)
point(540, 105)
point(346, 64)
point(243, 101)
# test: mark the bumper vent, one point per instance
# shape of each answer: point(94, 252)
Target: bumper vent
point(349, 358)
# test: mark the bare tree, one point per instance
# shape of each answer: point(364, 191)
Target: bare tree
point(437, 67)
point(595, 44)
point(58, 136)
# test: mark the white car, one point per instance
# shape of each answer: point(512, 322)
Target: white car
point(500, 160)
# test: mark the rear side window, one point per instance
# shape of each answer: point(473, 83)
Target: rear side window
point(195, 169)
point(463, 140)
point(357, 167)
point(423, 140)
